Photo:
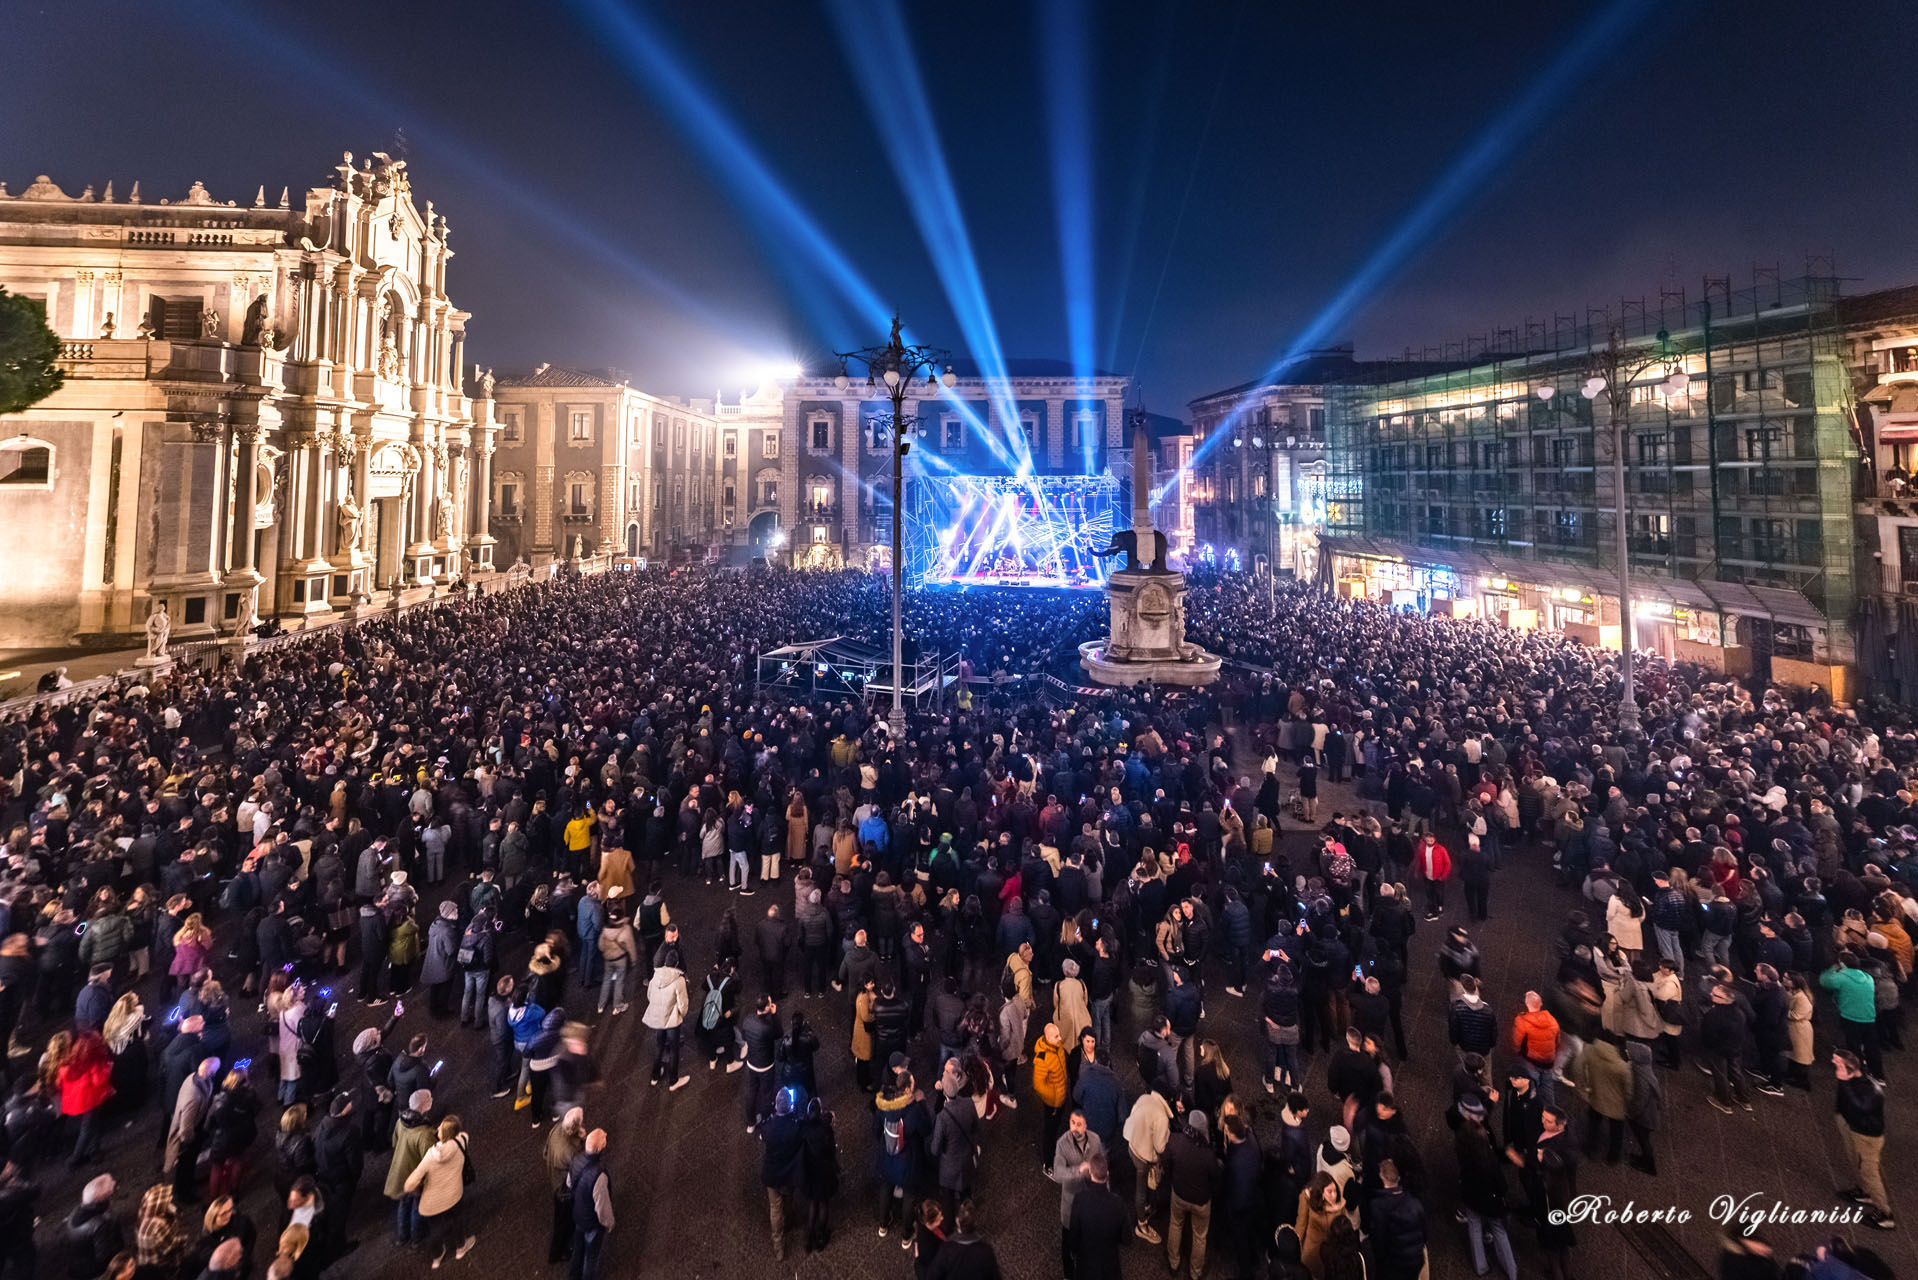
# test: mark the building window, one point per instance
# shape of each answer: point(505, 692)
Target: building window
point(580, 498)
point(1085, 430)
point(582, 428)
point(508, 498)
point(769, 445)
point(769, 496)
point(819, 496)
point(26, 464)
point(821, 535)
point(179, 319)
point(513, 432)
point(820, 434)
point(1030, 426)
point(1651, 449)
point(732, 451)
point(659, 433)
point(952, 435)
point(679, 435)
point(728, 499)
point(634, 493)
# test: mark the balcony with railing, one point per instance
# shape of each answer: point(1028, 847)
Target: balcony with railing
point(205, 360)
point(1880, 494)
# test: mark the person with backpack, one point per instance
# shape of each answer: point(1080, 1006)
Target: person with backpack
point(904, 1123)
point(475, 958)
point(718, 1011)
point(619, 948)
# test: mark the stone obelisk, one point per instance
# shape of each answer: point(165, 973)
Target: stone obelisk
point(1147, 630)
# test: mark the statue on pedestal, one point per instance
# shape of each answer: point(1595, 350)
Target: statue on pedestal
point(1146, 640)
point(352, 519)
point(159, 627)
point(248, 615)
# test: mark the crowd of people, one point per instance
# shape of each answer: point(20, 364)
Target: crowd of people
point(273, 918)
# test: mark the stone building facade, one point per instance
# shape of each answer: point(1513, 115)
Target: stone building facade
point(587, 464)
point(263, 410)
point(833, 473)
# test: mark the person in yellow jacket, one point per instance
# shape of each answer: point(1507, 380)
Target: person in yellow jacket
point(579, 839)
point(1049, 1083)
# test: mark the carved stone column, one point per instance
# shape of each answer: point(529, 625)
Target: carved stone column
point(246, 497)
point(483, 536)
point(319, 468)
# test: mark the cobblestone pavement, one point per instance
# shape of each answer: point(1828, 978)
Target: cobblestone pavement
point(685, 1174)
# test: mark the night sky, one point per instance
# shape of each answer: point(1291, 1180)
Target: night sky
point(1246, 158)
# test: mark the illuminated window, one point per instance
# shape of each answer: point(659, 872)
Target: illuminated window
point(582, 428)
point(821, 534)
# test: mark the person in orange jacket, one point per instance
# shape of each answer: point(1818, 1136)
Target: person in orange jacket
point(1434, 866)
point(1535, 1040)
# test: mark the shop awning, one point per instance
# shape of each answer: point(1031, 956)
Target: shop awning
point(1780, 604)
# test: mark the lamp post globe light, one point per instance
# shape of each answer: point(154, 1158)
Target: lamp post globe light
point(1612, 373)
point(899, 366)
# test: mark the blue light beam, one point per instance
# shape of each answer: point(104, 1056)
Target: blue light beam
point(1494, 145)
point(1063, 26)
point(659, 69)
point(873, 36)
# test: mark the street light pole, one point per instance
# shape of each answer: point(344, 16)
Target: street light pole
point(897, 721)
point(898, 364)
point(1613, 371)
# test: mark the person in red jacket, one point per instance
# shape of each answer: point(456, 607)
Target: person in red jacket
point(1433, 865)
point(85, 1085)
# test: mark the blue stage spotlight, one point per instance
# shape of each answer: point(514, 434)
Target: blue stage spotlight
point(661, 70)
point(873, 35)
point(1063, 26)
point(1467, 176)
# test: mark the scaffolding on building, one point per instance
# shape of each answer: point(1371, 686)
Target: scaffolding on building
point(1739, 483)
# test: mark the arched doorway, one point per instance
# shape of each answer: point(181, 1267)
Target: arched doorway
point(763, 534)
point(632, 540)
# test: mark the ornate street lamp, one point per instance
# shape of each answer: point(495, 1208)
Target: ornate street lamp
point(899, 366)
point(1613, 370)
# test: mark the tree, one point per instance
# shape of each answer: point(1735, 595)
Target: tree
point(28, 350)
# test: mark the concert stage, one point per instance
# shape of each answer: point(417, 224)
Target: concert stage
point(1000, 530)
